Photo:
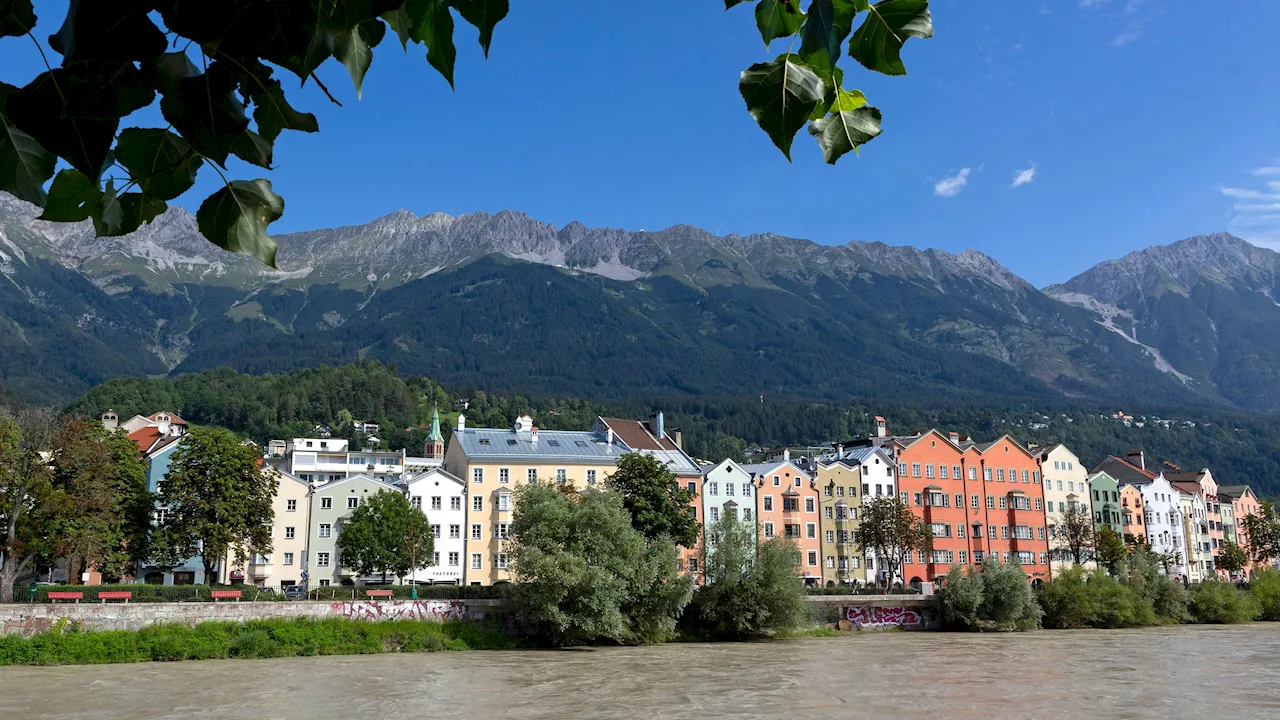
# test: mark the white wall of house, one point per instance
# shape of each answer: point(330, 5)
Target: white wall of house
point(1162, 508)
point(1066, 481)
point(443, 498)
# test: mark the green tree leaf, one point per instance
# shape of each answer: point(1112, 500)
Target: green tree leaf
point(828, 24)
point(236, 218)
point(484, 15)
point(878, 42)
point(25, 165)
point(107, 214)
point(845, 130)
point(17, 17)
point(780, 95)
point(253, 148)
point(778, 18)
point(164, 71)
point(115, 31)
point(435, 28)
point(161, 163)
point(271, 109)
point(72, 197)
point(206, 112)
point(354, 48)
point(139, 209)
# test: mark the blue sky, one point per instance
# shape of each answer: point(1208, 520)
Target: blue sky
point(1130, 122)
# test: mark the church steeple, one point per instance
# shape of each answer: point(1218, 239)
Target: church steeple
point(434, 446)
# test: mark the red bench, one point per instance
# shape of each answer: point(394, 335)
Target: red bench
point(225, 595)
point(56, 596)
point(105, 595)
point(378, 593)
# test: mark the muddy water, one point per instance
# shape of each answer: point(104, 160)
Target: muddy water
point(1188, 672)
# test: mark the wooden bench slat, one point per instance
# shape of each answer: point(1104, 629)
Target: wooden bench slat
point(65, 595)
point(378, 593)
point(105, 595)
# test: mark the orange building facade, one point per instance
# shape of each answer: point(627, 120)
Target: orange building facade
point(980, 500)
point(787, 501)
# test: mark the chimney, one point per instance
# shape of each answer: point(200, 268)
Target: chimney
point(534, 434)
point(955, 437)
point(1138, 457)
point(786, 454)
point(659, 430)
point(839, 451)
point(609, 445)
point(462, 422)
point(677, 437)
point(882, 428)
point(110, 420)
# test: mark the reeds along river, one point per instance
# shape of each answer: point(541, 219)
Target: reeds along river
point(1167, 673)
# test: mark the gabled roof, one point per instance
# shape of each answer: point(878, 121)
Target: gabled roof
point(173, 418)
point(1235, 492)
point(573, 445)
point(856, 455)
point(1189, 488)
point(636, 436)
point(150, 441)
point(410, 479)
point(1123, 471)
point(759, 470)
point(328, 486)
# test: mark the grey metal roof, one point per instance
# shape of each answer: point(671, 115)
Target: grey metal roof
point(569, 445)
point(757, 469)
point(856, 455)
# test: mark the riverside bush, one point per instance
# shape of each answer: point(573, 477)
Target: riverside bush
point(997, 598)
point(1217, 602)
point(1265, 589)
point(256, 639)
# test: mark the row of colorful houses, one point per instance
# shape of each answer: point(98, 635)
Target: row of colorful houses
point(998, 499)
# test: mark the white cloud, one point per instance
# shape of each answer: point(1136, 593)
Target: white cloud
point(1130, 17)
point(951, 186)
point(1256, 208)
point(1024, 177)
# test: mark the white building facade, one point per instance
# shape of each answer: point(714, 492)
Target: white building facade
point(443, 498)
point(1066, 483)
point(1162, 516)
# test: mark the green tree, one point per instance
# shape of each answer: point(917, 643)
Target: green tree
point(1261, 533)
point(217, 499)
point(748, 592)
point(224, 58)
point(585, 574)
point(961, 598)
point(1074, 537)
point(1232, 558)
point(28, 500)
point(1265, 589)
point(890, 532)
point(388, 535)
point(1216, 602)
point(1111, 550)
point(104, 517)
point(657, 504)
point(997, 598)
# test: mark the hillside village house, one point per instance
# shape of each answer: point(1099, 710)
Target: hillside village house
point(332, 505)
point(727, 490)
point(282, 567)
point(1065, 485)
point(841, 503)
point(443, 497)
point(494, 462)
point(1195, 530)
point(1162, 519)
point(1243, 504)
point(788, 507)
point(1203, 484)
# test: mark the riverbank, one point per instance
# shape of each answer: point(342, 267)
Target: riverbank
point(300, 637)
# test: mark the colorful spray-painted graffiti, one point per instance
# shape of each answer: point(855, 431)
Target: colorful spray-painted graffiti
point(879, 617)
point(437, 610)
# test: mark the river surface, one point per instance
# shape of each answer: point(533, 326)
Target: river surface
point(1218, 673)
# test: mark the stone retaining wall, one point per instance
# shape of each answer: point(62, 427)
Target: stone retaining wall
point(877, 612)
point(27, 619)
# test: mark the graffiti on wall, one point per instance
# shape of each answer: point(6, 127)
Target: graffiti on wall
point(436, 610)
point(25, 625)
point(880, 617)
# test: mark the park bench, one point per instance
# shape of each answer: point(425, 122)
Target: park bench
point(105, 595)
point(225, 595)
point(378, 593)
point(55, 596)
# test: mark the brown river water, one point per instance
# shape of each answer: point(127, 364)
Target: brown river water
point(1219, 673)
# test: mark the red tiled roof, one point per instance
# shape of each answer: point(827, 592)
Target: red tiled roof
point(144, 438)
point(173, 418)
point(636, 436)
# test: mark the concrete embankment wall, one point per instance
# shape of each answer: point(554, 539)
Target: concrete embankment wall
point(26, 619)
point(863, 612)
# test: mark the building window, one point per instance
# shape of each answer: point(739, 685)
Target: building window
point(477, 561)
point(728, 489)
point(915, 469)
point(325, 530)
point(713, 488)
point(453, 559)
point(715, 514)
point(991, 532)
point(562, 475)
point(476, 530)
point(417, 501)
point(693, 564)
point(902, 468)
point(746, 513)
point(500, 561)
point(986, 474)
point(928, 470)
point(455, 532)
point(746, 489)
point(831, 536)
point(811, 530)
point(768, 503)
point(831, 562)
point(916, 497)
point(1003, 503)
point(1004, 532)
point(1026, 557)
point(974, 501)
point(959, 530)
point(326, 503)
point(435, 503)
point(827, 512)
point(477, 503)
point(353, 503)
point(955, 472)
point(591, 477)
point(435, 531)
point(813, 558)
point(504, 475)
point(942, 472)
point(999, 474)
point(291, 505)
point(959, 500)
point(477, 475)
point(973, 473)
point(501, 531)
point(1025, 476)
point(964, 557)
point(455, 503)
point(991, 502)
point(504, 503)
point(322, 560)
point(532, 475)
point(288, 533)
point(808, 504)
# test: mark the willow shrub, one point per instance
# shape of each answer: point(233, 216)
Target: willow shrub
point(1265, 589)
point(997, 598)
point(1217, 602)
